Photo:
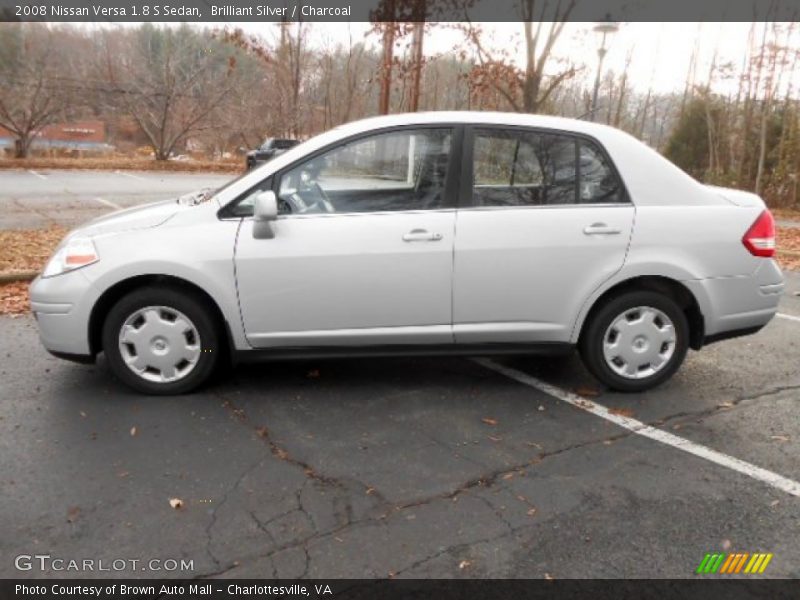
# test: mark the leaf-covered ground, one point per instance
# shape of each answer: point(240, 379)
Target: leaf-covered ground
point(28, 250)
point(789, 248)
point(112, 163)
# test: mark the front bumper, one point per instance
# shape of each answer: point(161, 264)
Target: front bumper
point(62, 306)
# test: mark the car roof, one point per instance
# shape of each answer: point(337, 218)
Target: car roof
point(477, 117)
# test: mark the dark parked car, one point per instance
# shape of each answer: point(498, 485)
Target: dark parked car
point(268, 150)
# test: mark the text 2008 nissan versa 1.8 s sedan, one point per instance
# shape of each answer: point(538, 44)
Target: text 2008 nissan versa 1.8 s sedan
point(461, 233)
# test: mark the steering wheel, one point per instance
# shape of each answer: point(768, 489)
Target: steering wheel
point(326, 201)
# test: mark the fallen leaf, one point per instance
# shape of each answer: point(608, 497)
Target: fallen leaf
point(780, 438)
point(176, 503)
point(134, 431)
point(73, 512)
point(508, 476)
point(464, 564)
point(534, 445)
point(622, 412)
point(725, 405)
point(370, 491)
point(531, 512)
point(122, 474)
point(495, 438)
point(588, 392)
point(548, 576)
point(489, 421)
point(83, 414)
point(262, 432)
point(775, 503)
point(313, 374)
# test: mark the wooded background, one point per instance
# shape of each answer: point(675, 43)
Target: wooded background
point(217, 91)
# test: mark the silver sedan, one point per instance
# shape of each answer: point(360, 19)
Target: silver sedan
point(467, 233)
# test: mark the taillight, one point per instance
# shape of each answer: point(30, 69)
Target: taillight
point(760, 238)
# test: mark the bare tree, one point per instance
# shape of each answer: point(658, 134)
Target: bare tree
point(31, 92)
point(525, 90)
point(168, 80)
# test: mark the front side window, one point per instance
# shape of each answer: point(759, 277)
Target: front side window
point(400, 170)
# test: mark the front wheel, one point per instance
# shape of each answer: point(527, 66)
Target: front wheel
point(635, 341)
point(161, 341)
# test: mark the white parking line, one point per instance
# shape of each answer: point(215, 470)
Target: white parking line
point(113, 205)
point(131, 175)
point(39, 175)
point(790, 317)
point(772, 479)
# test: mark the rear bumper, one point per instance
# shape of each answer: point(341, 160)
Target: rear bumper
point(736, 306)
point(62, 307)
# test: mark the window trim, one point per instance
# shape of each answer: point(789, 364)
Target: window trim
point(467, 179)
point(450, 195)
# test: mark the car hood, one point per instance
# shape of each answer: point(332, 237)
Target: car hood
point(737, 197)
point(138, 217)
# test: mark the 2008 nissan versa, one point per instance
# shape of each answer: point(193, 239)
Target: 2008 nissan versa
point(460, 233)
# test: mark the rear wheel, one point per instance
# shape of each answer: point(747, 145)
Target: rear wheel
point(635, 341)
point(161, 341)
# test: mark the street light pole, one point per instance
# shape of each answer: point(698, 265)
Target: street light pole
point(603, 28)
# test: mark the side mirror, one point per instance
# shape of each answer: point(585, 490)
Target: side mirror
point(266, 206)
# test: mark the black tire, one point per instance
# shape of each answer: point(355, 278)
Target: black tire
point(194, 308)
point(592, 339)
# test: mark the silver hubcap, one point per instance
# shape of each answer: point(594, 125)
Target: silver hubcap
point(639, 342)
point(159, 344)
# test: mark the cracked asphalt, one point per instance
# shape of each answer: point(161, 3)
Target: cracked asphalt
point(416, 467)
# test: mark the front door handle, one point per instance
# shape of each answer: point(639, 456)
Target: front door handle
point(601, 229)
point(421, 235)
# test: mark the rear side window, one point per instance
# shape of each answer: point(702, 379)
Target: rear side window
point(599, 182)
point(525, 168)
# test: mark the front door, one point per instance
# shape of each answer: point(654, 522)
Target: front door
point(546, 222)
point(362, 251)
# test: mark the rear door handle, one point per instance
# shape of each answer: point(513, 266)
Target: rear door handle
point(601, 229)
point(421, 235)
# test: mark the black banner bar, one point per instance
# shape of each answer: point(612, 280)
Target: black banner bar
point(235, 11)
point(109, 589)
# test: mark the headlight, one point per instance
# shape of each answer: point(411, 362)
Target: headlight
point(76, 253)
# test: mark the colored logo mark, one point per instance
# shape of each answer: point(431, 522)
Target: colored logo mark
point(728, 564)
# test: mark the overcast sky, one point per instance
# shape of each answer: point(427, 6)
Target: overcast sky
point(660, 52)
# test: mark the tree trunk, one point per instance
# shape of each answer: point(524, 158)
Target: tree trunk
point(21, 146)
point(416, 45)
point(386, 71)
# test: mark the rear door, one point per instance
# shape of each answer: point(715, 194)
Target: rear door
point(544, 220)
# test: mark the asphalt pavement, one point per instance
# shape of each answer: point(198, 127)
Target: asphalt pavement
point(38, 198)
point(405, 467)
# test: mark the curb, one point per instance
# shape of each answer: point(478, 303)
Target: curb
point(18, 276)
